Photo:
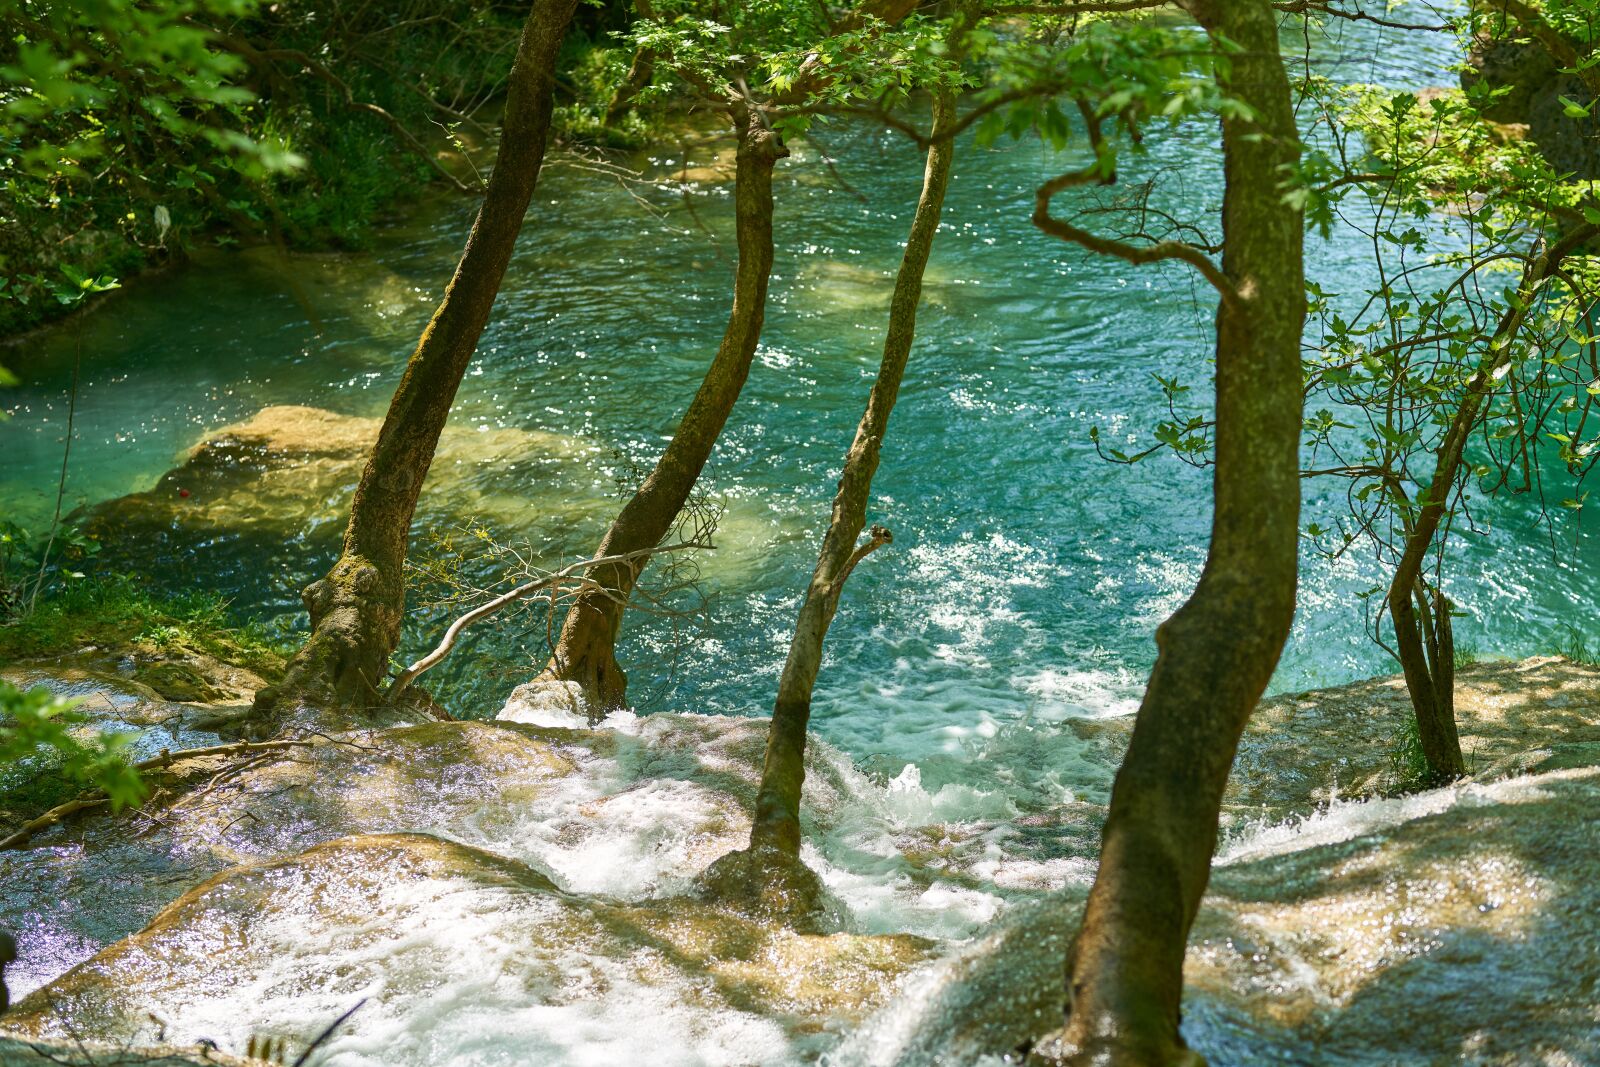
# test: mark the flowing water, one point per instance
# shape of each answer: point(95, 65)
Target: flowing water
point(1027, 575)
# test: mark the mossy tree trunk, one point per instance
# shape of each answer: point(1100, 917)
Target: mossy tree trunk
point(356, 608)
point(777, 822)
point(585, 652)
point(1216, 654)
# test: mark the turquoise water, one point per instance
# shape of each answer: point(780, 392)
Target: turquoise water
point(1027, 575)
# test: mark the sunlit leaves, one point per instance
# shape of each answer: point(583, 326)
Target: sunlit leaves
point(36, 725)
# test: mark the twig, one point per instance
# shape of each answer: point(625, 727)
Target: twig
point(320, 1039)
point(521, 592)
point(55, 815)
point(66, 453)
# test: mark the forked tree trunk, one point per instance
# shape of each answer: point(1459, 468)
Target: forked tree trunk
point(356, 609)
point(1217, 653)
point(1422, 635)
point(769, 871)
point(585, 653)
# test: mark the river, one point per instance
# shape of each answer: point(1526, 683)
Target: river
point(1027, 575)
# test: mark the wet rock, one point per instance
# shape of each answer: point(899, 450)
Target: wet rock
point(179, 682)
point(544, 700)
point(167, 696)
point(450, 943)
point(34, 1052)
point(84, 884)
point(606, 828)
point(1454, 926)
point(767, 885)
point(1306, 749)
point(634, 814)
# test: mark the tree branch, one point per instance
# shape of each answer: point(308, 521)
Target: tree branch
point(521, 592)
point(877, 537)
point(1135, 254)
point(1323, 7)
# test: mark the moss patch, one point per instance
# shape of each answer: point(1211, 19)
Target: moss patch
point(118, 612)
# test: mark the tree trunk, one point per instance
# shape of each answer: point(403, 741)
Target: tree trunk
point(640, 73)
point(1420, 639)
point(585, 653)
point(356, 609)
point(1217, 653)
point(770, 866)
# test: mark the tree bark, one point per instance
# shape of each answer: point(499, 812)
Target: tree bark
point(777, 822)
point(356, 609)
point(586, 650)
point(1217, 653)
point(1423, 638)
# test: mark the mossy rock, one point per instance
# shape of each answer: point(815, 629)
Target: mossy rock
point(179, 682)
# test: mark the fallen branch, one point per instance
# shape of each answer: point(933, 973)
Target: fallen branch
point(521, 592)
point(56, 814)
point(90, 802)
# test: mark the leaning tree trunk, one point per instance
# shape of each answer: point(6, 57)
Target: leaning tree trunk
point(585, 653)
point(356, 609)
point(769, 872)
point(1217, 653)
point(1422, 630)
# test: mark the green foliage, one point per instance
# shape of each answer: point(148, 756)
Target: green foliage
point(1574, 645)
point(46, 754)
point(129, 131)
point(118, 611)
point(31, 564)
point(1408, 766)
point(787, 57)
point(107, 109)
point(1131, 70)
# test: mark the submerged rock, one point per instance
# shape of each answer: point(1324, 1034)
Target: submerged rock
point(288, 471)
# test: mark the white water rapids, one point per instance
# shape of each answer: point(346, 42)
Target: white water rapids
point(515, 892)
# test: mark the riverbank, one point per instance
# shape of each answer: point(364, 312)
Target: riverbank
point(524, 879)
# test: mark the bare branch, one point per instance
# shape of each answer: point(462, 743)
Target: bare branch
point(522, 592)
point(1323, 7)
point(1135, 254)
point(877, 537)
